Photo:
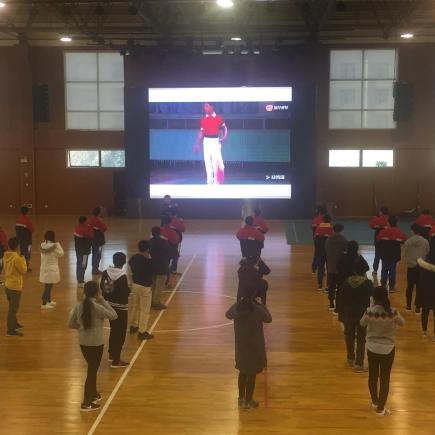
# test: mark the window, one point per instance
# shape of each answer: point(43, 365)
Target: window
point(96, 158)
point(344, 158)
point(378, 158)
point(361, 89)
point(94, 91)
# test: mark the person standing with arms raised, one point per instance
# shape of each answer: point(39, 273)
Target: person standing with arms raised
point(211, 140)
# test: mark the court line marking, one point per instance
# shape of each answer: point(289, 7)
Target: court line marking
point(295, 232)
point(136, 355)
point(203, 328)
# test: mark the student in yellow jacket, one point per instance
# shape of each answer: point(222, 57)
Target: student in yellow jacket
point(15, 267)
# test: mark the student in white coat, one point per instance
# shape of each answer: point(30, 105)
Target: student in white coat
point(49, 274)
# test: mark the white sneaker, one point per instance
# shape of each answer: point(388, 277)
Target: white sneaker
point(47, 307)
point(385, 413)
point(374, 406)
point(53, 303)
point(80, 284)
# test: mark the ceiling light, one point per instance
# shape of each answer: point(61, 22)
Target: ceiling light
point(236, 38)
point(225, 3)
point(2, 4)
point(407, 35)
point(65, 38)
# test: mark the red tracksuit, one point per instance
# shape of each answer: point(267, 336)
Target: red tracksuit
point(170, 235)
point(390, 240)
point(251, 241)
point(260, 224)
point(425, 221)
point(177, 224)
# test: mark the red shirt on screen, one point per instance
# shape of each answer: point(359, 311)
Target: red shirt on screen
point(211, 124)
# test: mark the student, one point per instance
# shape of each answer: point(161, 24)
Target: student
point(250, 347)
point(15, 267)
point(141, 294)
point(49, 274)
point(251, 239)
point(116, 291)
point(378, 223)
point(160, 256)
point(355, 299)
point(3, 249)
point(24, 229)
point(174, 241)
point(315, 222)
point(414, 248)
point(99, 239)
point(335, 247)
point(168, 206)
point(381, 321)
point(88, 318)
point(425, 221)
point(251, 281)
point(259, 222)
point(83, 235)
point(177, 224)
point(350, 261)
point(323, 231)
point(426, 286)
point(390, 240)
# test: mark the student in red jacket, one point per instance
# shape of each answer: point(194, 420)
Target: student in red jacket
point(83, 235)
point(390, 240)
point(323, 231)
point(425, 221)
point(251, 239)
point(177, 224)
point(24, 230)
point(3, 248)
point(259, 222)
point(315, 222)
point(99, 239)
point(378, 223)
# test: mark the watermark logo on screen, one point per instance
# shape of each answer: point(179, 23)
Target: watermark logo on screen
point(272, 107)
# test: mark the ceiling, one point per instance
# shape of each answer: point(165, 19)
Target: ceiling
point(196, 24)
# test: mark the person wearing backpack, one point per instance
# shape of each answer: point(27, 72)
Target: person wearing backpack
point(49, 274)
point(114, 285)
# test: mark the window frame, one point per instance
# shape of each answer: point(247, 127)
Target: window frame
point(378, 149)
point(97, 83)
point(345, 149)
point(361, 81)
point(99, 150)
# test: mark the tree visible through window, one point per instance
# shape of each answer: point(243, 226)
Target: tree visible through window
point(96, 158)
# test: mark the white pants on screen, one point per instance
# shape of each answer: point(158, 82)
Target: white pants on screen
point(213, 161)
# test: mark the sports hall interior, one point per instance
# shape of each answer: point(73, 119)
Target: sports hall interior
point(184, 381)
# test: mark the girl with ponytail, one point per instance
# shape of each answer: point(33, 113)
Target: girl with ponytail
point(88, 318)
point(381, 321)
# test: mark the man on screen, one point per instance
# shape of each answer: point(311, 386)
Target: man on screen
point(210, 127)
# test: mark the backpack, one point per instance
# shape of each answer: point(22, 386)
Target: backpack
point(107, 284)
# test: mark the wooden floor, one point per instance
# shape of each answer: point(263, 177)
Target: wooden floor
point(184, 381)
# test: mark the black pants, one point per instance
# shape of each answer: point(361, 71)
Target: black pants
point(377, 258)
point(26, 250)
point(246, 385)
point(332, 282)
point(412, 278)
point(46, 295)
point(92, 356)
point(263, 286)
point(118, 329)
point(425, 318)
point(353, 330)
point(380, 368)
point(320, 263)
point(14, 298)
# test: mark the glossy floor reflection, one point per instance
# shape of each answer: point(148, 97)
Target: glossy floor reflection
point(184, 382)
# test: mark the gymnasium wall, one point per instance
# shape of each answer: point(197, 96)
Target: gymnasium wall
point(33, 157)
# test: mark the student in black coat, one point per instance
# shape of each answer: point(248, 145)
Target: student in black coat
point(251, 281)
point(250, 348)
point(114, 285)
point(355, 298)
point(427, 286)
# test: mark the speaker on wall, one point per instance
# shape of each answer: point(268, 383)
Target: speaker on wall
point(41, 105)
point(403, 94)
